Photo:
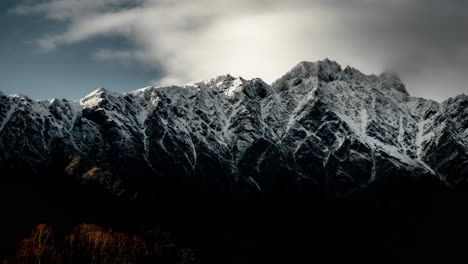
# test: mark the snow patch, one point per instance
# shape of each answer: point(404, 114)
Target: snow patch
point(8, 116)
point(364, 120)
point(421, 137)
point(234, 88)
point(252, 180)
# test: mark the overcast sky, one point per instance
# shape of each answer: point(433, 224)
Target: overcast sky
point(66, 48)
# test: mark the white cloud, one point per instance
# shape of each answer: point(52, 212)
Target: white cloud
point(193, 40)
point(196, 40)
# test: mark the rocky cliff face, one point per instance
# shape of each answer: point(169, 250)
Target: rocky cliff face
point(319, 127)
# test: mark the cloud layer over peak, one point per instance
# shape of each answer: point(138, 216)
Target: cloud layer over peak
point(424, 41)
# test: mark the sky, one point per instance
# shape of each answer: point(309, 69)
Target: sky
point(68, 48)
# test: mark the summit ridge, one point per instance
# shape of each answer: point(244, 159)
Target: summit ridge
point(318, 125)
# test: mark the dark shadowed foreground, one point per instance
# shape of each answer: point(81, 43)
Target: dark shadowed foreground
point(410, 221)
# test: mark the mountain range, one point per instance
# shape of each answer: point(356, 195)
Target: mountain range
point(318, 128)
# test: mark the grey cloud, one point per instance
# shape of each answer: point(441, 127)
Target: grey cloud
point(425, 41)
point(72, 9)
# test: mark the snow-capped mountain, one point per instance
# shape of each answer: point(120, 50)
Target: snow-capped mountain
point(318, 126)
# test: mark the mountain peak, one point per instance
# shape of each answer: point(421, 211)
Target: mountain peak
point(54, 101)
point(320, 69)
point(392, 80)
point(101, 90)
point(352, 71)
point(20, 96)
point(141, 91)
point(306, 72)
point(95, 98)
point(324, 70)
point(226, 76)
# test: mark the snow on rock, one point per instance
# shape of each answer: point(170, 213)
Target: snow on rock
point(319, 123)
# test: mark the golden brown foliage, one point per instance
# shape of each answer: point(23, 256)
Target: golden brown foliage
point(73, 167)
point(39, 247)
point(89, 243)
